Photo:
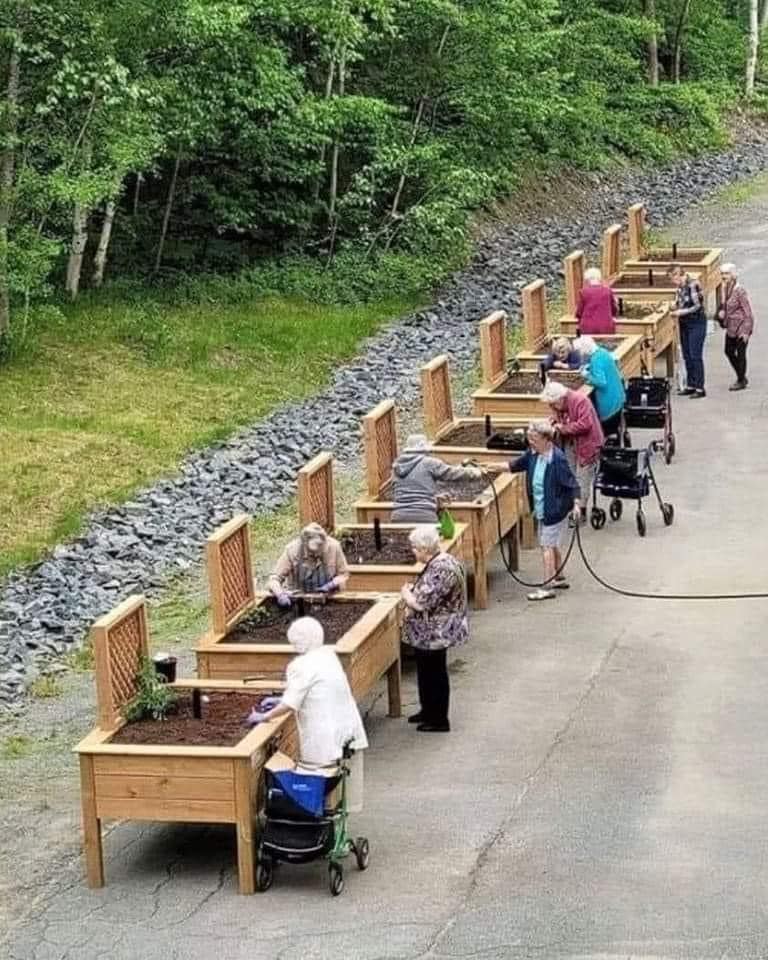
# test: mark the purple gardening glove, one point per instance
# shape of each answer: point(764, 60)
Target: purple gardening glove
point(254, 718)
point(283, 599)
point(329, 587)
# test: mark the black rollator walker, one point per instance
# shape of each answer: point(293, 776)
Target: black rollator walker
point(304, 822)
point(648, 406)
point(626, 474)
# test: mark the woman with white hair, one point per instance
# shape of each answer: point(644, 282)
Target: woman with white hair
point(415, 477)
point(318, 693)
point(554, 493)
point(736, 317)
point(576, 421)
point(596, 308)
point(602, 372)
point(435, 621)
point(312, 563)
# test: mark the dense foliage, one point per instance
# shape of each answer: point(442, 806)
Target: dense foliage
point(212, 133)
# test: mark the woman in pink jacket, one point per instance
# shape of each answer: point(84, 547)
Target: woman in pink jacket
point(736, 317)
point(597, 308)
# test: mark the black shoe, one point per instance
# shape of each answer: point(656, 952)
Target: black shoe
point(434, 728)
point(416, 717)
point(698, 394)
point(739, 385)
point(686, 392)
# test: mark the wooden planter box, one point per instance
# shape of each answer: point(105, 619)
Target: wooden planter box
point(479, 515)
point(630, 354)
point(316, 505)
point(368, 651)
point(440, 422)
point(705, 262)
point(493, 355)
point(175, 784)
point(656, 327)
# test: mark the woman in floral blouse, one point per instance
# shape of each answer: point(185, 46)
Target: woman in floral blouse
point(436, 619)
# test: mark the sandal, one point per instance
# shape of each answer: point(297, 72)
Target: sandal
point(542, 595)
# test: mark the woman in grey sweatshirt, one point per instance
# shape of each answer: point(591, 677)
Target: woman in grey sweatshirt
point(415, 475)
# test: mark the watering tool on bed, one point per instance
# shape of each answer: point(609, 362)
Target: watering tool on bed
point(377, 538)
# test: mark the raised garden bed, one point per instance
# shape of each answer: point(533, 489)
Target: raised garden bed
point(189, 780)
point(250, 640)
point(477, 511)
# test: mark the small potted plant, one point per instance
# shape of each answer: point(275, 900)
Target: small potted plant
point(154, 699)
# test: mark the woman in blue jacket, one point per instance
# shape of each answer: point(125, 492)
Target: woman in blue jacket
point(602, 372)
point(554, 494)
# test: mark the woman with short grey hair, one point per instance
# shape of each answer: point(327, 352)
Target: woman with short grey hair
point(435, 621)
point(737, 319)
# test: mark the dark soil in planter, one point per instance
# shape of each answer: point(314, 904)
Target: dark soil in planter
point(470, 435)
point(609, 342)
point(637, 311)
point(359, 546)
point(269, 623)
point(462, 491)
point(683, 253)
point(639, 281)
point(222, 722)
point(527, 382)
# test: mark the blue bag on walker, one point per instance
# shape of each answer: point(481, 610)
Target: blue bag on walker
point(303, 789)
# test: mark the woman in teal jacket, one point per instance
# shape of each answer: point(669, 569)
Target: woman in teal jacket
point(602, 373)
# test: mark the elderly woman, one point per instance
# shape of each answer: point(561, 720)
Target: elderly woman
point(312, 563)
point(562, 356)
point(415, 477)
point(736, 316)
point(318, 693)
point(554, 493)
point(692, 323)
point(576, 421)
point(436, 619)
point(602, 372)
point(596, 309)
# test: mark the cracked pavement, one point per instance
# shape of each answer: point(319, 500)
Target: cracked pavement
point(601, 796)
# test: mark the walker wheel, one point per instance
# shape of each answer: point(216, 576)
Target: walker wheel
point(597, 518)
point(616, 509)
point(668, 512)
point(265, 874)
point(335, 879)
point(641, 526)
point(362, 853)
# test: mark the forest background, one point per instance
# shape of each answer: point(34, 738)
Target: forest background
point(235, 192)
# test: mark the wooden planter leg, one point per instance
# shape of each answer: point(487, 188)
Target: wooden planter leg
point(528, 533)
point(393, 690)
point(513, 547)
point(244, 812)
point(94, 857)
point(670, 358)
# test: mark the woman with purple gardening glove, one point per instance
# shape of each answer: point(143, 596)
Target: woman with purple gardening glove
point(312, 563)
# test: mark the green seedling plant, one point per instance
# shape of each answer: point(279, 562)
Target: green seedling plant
point(154, 699)
point(46, 687)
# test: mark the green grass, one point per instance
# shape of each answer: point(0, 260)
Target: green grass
point(46, 687)
point(114, 394)
point(17, 747)
point(736, 194)
point(81, 660)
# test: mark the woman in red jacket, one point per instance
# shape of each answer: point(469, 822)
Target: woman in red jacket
point(597, 308)
point(736, 316)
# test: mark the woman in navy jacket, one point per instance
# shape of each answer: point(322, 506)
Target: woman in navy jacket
point(553, 493)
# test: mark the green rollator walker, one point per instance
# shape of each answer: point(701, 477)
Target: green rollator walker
point(302, 824)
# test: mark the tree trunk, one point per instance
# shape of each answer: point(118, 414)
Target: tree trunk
point(167, 214)
point(328, 93)
point(137, 193)
point(100, 257)
point(754, 43)
point(653, 44)
point(764, 16)
point(334, 186)
point(7, 169)
point(677, 44)
point(77, 250)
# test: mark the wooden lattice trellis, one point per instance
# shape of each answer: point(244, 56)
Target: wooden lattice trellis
point(535, 327)
point(380, 445)
point(436, 395)
point(120, 639)
point(493, 348)
point(230, 572)
point(637, 215)
point(316, 496)
point(573, 265)
point(611, 262)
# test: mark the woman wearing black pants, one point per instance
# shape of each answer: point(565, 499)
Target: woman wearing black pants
point(736, 316)
point(692, 322)
point(436, 619)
